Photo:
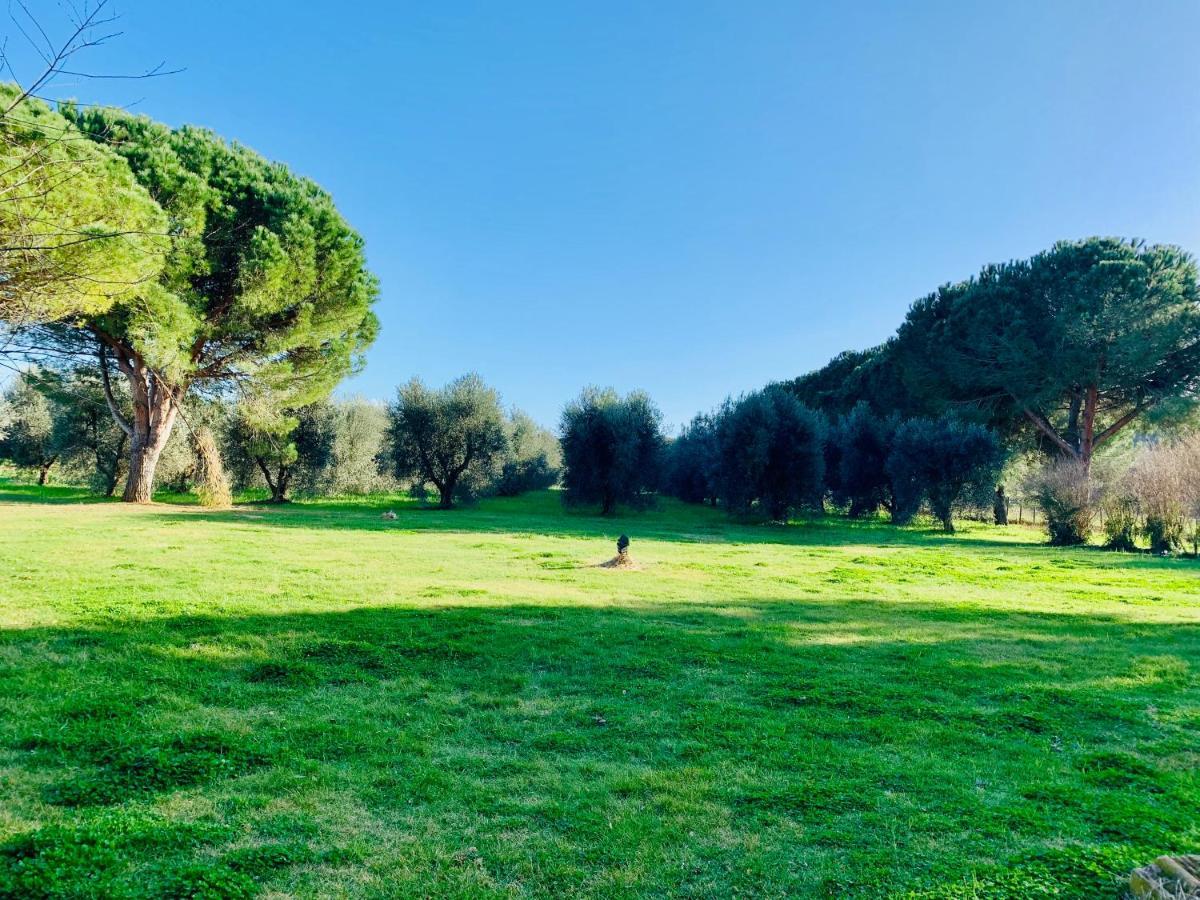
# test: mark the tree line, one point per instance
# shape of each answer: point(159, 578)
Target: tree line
point(1047, 363)
point(150, 275)
point(456, 443)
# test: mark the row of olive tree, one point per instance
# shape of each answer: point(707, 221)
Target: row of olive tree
point(770, 455)
point(60, 422)
point(56, 422)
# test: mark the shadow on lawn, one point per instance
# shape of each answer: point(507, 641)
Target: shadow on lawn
point(880, 746)
point(543, 513)
point(54, 494)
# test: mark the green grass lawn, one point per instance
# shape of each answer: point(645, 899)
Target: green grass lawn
point(311, 701)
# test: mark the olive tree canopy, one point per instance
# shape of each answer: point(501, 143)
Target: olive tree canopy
point(453, 438)
point(612, 449)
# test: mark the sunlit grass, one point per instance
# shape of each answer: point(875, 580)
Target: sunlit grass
point(310, 700)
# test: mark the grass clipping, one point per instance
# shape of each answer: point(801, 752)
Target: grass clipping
point(213, 484)
point(620, 561)
point(1168, 878)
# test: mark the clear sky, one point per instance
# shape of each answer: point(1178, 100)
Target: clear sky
point(692, 198)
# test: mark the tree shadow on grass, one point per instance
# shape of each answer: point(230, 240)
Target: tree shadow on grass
point(55, 494)
point(543, 513)
point(832, 748)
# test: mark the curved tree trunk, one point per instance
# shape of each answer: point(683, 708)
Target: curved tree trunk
point(277, 483)
point(155, 406)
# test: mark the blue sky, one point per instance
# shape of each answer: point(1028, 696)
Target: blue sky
point(691, 198)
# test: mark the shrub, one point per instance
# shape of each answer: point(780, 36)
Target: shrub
point(772, 455)
point(938, 460)
point(1068, 496)
point(612, 449)
point(1163, 479)
point(1121, 521)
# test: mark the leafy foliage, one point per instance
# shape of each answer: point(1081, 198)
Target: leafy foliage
point(92, 443)
point(265, 285)
point(693, 462)
point(284, 448)
point(772, 457)
point(30, 438)
point(870, 377)
point(864, 441)
point(356, 465)
point(1076, 342)
point(1069, 497)
point(936, 460)
point(612, 449)
point(453, 438)
point(77, 232)
point(533, 458)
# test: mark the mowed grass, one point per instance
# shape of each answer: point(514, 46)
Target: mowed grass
point(311, 701)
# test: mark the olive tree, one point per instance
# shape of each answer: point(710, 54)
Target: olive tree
point(532, 460)
point(772, 455)
point(863, 440)
point(692, 462)
point(95, 449)
point(30, 439)
point(357, 459)
point(453, 437)
point(292, 446)
point(612, 449)
point(938, 460)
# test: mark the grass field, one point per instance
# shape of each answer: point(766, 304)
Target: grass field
point(311, 701)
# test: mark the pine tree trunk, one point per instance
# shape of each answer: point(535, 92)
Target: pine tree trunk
point(155, 406)
point(143, 460)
